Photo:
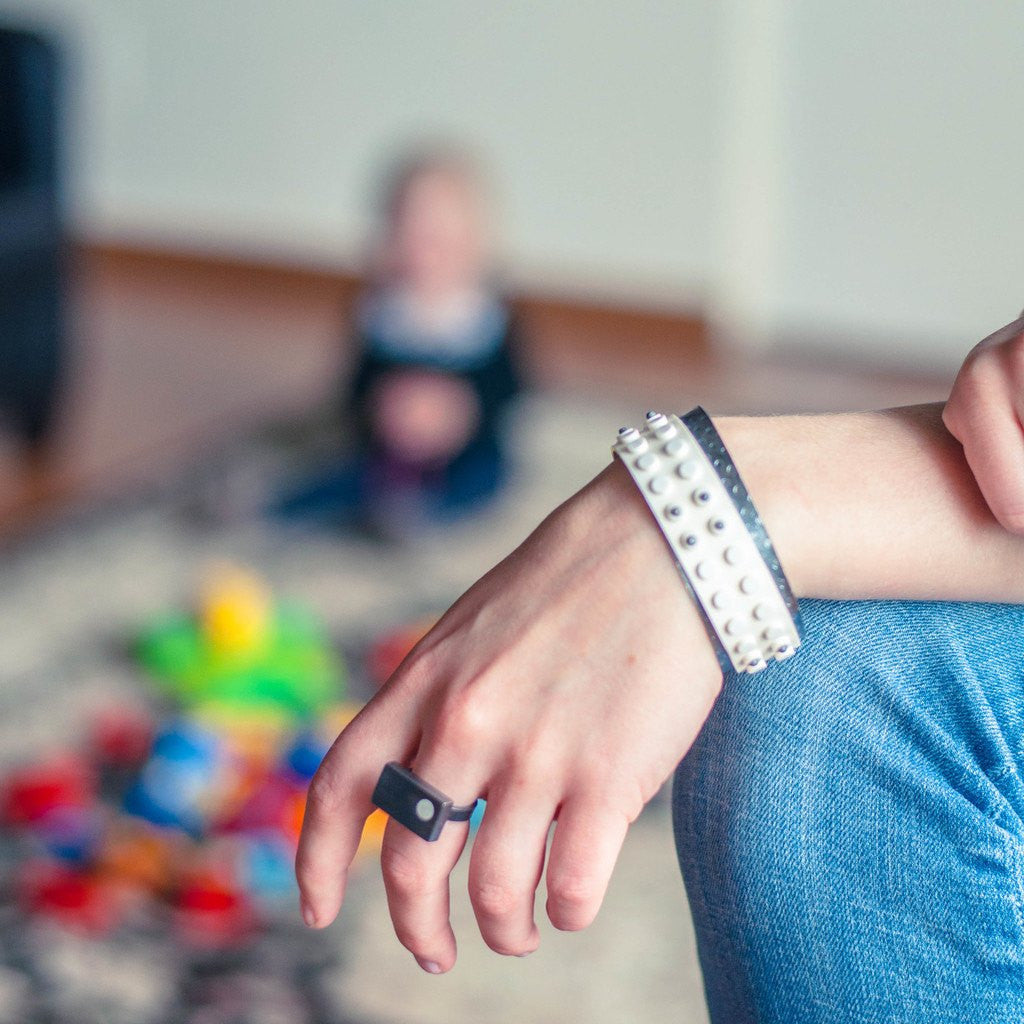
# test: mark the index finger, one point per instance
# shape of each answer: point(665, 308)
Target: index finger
point(994, 448)
point(337, 807)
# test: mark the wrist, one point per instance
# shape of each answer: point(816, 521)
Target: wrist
point(612, 514)
point(763, 447)
point(717, 541)
point(854, 502)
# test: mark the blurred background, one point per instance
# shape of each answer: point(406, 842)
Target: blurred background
point(227, 241)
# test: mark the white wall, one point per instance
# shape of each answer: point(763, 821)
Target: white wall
point(821, 170)
point(260, 125)
point(905, 179)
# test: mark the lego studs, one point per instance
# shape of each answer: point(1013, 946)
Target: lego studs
point(724, 577)
point(780, 644)
point(661, 425)
point(750, 656)
point(632, 439)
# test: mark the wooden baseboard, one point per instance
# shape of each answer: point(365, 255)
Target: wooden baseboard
point(560, 328)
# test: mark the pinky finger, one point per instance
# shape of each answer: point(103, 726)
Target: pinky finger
point(586, 845)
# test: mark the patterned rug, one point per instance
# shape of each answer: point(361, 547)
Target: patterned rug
point(72, 599)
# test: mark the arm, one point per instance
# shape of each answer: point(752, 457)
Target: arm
point(568, 683)
point(985, 412)
point(875, 505)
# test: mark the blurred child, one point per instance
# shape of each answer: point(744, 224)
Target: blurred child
point(436, 368)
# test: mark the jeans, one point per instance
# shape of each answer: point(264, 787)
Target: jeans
point(850, 824)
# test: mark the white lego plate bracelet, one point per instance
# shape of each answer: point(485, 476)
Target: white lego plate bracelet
point(723, 551)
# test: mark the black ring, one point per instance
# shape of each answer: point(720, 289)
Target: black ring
point(416, 804)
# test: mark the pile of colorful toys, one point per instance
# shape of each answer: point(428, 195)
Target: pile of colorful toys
point(189, 815)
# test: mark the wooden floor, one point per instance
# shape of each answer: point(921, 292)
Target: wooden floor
point(172, 354)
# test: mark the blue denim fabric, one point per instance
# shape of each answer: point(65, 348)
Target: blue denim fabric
point(849, 823)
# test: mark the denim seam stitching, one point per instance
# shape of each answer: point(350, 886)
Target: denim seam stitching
point(1015, 867)
point(1002, 771)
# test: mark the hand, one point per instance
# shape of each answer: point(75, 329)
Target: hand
point(564, 686)
point(424, 416)
point(985, 413)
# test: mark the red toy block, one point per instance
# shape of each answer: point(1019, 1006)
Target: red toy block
point(72, 897)
point(270, 807)
point(122, 738)
point(32, 793)
point(212, 913)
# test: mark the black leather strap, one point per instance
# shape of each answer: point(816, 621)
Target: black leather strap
point(699, 424)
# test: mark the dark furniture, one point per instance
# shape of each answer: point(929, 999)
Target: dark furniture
point(32, 240)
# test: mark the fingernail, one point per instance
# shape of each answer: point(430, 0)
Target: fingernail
point(307, 914)
point(429, 966)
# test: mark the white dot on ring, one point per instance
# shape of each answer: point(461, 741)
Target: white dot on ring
point(424, 809)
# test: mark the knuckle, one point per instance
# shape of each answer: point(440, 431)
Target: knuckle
point(982, 362)
point(494, 899)
point(418, 670)
point(985, 370)
point(972, 384)
point(527, 774)
point(409, 681)
point(570, 902)
point(411, 939)
point(465, 720)
point(326, 791)
point(1015, 355)
point(404, 876)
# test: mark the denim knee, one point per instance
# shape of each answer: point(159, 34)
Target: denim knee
point(849, 823)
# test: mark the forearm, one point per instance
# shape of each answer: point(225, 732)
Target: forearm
point(875, 505)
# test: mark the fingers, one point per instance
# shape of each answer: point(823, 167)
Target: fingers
point(416, 880)
point(985, 412)
point(506, 867)
point(994, 449)
point(416, 872)
point(337, 806)
point(588, 837)
point(989, 428)
point(336, 809)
